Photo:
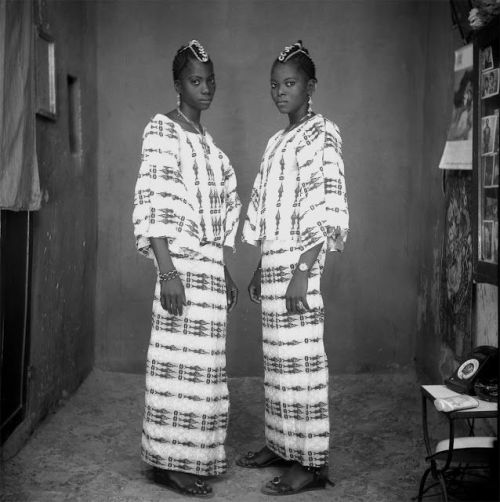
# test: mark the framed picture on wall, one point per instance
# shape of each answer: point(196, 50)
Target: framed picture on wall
point(489, 83)
point(485, 173)
point(488, 133)
point(46, 99)
point(487, 59)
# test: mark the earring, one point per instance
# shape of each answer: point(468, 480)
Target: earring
point(309, 105)
point(178, 100)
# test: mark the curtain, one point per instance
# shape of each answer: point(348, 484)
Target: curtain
point(19, 182)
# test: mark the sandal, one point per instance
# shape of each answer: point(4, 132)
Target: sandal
point(249, 461)
point(198, 488)
point(277, 487)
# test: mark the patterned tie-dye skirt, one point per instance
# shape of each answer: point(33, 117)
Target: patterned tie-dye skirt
point(295, 363)
point(186, 400)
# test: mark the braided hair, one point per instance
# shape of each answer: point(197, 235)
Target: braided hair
point(189, 52)
point(298, 55)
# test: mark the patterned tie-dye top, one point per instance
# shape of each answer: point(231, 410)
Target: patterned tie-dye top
point(185, 190)
point(299, 193)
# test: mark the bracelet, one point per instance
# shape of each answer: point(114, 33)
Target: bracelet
point(167, 276)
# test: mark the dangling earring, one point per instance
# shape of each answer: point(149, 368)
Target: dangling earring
point(178, 100)
point(309, 105)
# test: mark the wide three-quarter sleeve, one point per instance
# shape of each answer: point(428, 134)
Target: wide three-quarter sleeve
point(232, 204)
point(337, 211)
point(322, 214)
point(251, 227)
point(162, 206)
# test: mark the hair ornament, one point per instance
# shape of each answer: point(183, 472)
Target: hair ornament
point(198, 50)
point(291, 50)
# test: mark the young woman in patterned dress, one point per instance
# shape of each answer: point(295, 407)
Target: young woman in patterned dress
point(186, 211)
point(297, 212)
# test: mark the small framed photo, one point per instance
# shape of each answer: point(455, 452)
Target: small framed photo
point(495, 171)
point(487, 241)
point(488, 167)
point(489, 83)
point(490, 209)
point(46, 100)
point(487, 59)
point(488, 133)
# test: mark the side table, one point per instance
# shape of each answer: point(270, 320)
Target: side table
point(472, 451)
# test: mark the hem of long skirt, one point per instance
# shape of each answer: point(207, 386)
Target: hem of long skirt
point(187, 471)
point(314, 466)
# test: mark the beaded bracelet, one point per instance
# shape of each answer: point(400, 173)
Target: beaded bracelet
point(167, 276)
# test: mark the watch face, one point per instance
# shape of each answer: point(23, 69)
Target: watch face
point(303, 267)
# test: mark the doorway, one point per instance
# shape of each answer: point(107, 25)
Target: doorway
point(15, 258)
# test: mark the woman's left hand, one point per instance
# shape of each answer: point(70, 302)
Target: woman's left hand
point(296, 293)
point(231, 291)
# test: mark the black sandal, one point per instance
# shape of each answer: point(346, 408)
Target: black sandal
point(278, 488)
point(198, 488)
point(248, 461)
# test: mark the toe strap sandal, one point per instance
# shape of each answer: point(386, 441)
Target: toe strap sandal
point(250, 460)
point(197, 488)
point(278, 487)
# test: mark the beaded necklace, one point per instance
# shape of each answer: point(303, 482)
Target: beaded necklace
point(199, 130)
point(307, 116)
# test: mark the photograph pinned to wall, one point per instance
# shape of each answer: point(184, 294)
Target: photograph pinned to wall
point(46, 104)
point(488, 133)
point(490, 209)
point(457, 153)
point(489, 83)
point(487, 58)
point(488, 167)
point(487, 241)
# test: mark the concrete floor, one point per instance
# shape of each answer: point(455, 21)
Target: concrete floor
point(89, 449)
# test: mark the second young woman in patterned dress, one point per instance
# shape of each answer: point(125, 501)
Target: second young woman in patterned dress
point(297, 212)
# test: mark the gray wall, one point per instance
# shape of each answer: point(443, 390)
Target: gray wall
point(371, 68)
point(64, 229)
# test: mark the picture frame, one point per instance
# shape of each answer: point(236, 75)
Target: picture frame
point(45, 67)
point(488, 133)
point(487, 243)
point(489, 83)
point(488, 168)
point(487, 58)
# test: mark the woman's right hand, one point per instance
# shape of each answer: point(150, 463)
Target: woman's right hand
point(172, 296)
point(254, 287)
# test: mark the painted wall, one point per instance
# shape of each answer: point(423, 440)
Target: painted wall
point(370, 58)
point(64, 229)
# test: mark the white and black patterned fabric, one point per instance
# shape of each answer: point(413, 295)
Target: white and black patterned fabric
point(299, 194)
point(186, 189)
point(295, 363)
point(186, 398)
point(186, 193)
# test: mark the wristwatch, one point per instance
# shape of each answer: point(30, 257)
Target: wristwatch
point(303, 267)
